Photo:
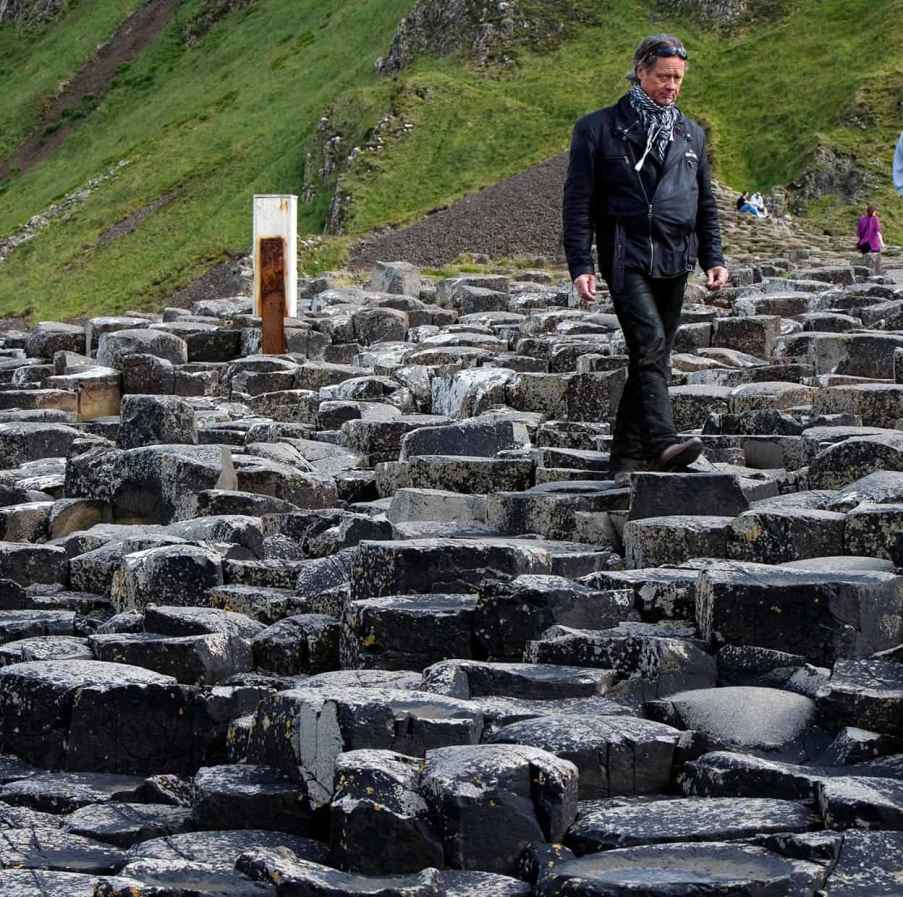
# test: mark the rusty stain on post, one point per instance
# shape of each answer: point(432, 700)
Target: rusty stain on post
point(271, 252)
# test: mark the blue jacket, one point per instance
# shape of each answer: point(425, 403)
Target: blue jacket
point(898, 166)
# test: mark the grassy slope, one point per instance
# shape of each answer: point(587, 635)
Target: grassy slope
point(216, 123)
point(231, 117)
point(768, 94)
point(37, 67)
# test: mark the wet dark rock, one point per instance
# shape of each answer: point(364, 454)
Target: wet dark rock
point(336, 718)
point(654, 541)
point(659, 593)
point(610, 827)
point(865, 693)
point(254, 797)
point(511, 613)
point(681, 870)
point(614, 755)
point(150, 420)
point(42, 883)
point(380, 823)
point(778, 536)
point(27, 564)
point(747, 665)
point(59, 851)
point(530, 682)
point(823, 616)
point(465, 884)
point(473, 438)
point(56, 714)
point(16, 625)
point(365, 679)
point(113, 348)
point(403, 632)
point(221, 850)
point(853, 802)
point(260, 603)
point(649, 664)
point(223, 529)
point(302, 643)
point(171, 620)
point(65, 792)
point(870, 864)
point(493, 800)
point(191, 659)
point(147, 485)
point(664, 494)
point(458, 565)
point(295, 878)
point(124, 824)
point(729, 774)
point(175, 574)
point(24, 817)
point(854, 745)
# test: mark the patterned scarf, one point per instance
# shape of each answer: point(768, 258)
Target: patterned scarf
point(658, 122)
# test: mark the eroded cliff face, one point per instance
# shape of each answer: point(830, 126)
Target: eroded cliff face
point(207, 16)
point(485, 31)
point(723, 13)
point(30, 12)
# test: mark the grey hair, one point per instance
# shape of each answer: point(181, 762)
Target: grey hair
point(645, 54)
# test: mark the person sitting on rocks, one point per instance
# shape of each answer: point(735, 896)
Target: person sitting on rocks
point(759, 204)
point(746, 207)
point(639, 179)
point(870, 242)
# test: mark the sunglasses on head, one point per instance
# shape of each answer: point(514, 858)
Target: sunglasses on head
point(667, 52)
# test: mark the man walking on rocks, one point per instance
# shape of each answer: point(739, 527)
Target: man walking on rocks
point(639, 180)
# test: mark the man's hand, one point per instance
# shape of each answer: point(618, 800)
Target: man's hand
point(716, 278)
point(585, 285)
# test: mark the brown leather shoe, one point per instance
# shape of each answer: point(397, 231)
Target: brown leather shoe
point(622, 478)
point(680, 454)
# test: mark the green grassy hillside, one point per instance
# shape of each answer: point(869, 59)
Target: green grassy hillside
point(235, 114)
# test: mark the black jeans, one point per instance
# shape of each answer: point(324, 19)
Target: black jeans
point(648, 310)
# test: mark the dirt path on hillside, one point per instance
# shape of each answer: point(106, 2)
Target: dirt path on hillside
point(92, 80)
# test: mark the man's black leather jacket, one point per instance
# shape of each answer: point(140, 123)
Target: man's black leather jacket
point(661, 234)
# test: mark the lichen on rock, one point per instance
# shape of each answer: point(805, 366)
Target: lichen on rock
point(485, 31)
point(30, 12)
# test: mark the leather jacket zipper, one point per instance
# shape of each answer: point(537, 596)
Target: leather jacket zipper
point(632, 161)
point(651, 244)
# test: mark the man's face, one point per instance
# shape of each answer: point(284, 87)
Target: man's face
point(662, 81)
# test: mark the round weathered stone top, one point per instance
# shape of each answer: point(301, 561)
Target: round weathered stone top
point(744, 715)
point(397, 679)
point(605, 827)
point(432, 605)
point(575, 732)
point(681, 868)
point(486, 762)
point(81, 674)
point(222, 849)
point(44, 648)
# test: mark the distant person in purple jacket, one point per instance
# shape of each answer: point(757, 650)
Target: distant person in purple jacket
point(870, 240)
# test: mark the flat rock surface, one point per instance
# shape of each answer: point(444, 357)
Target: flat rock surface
point(685, 819)
point(682, 870)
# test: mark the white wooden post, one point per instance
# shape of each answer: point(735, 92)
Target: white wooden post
point(277, 216)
